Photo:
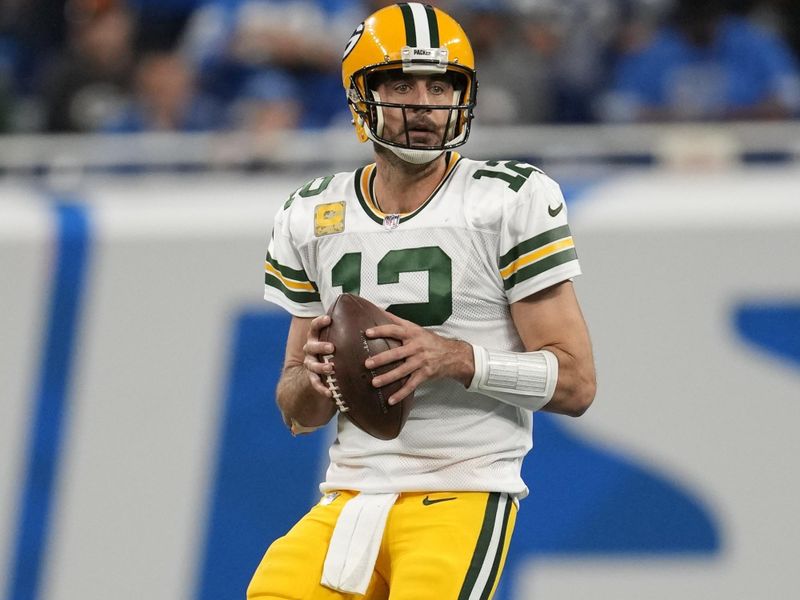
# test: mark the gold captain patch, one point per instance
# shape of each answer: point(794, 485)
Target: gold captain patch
point(328, 218)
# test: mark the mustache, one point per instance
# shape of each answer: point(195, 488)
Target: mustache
point(421, 124)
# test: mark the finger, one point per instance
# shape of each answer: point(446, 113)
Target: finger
point(317, 348)
point(320, 367)
point(321, 389)
point(317, 324)
point(395, 374)
point(320, 374)
point(387, 357)
point(404, 392)
point(397, 332)
point(318, 385)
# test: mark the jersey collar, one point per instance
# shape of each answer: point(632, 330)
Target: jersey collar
point(365, 190)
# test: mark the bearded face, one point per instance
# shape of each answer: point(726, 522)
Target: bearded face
point(420, 123)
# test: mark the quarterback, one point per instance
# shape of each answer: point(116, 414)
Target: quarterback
point(474, 260)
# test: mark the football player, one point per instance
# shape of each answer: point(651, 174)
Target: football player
point(474, 260)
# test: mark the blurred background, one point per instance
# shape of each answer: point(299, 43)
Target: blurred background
point(145, 146)
point(93, 66)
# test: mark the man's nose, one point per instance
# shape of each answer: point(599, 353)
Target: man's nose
point(421, 94)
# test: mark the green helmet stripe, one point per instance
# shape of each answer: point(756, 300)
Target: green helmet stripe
point(408, 20)
point(433, 26)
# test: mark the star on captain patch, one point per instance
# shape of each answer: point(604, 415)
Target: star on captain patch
point(328, 218)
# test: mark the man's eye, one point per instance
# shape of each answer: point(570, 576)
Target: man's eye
point(437, 89)
point(402, 87)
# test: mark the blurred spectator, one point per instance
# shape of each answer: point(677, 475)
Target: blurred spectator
point(540, 60)
point(166, 99)
point(284, 34)
point(513, 82)
point(639, 22)
point(569, 44)
point(8, 62)
point(230, 41)
point(39, 34)
point(268, 103)
point(68, 65)
point(782, 17)
point(707, 64)
point(6, 99)
point(88, 87)
point(160, 23)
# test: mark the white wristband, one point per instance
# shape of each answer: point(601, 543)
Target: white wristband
point(524, 379)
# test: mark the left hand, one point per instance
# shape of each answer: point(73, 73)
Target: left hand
point(427, 356)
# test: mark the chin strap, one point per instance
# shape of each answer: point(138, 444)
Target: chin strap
point(410, 155)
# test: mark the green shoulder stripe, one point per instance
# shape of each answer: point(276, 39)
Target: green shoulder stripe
point(533, 243)
point(288, 272)
point(302, 297)
point(540, 266)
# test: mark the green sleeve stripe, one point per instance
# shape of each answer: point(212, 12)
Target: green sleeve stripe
point(539, 267)
point(302, 297)
point(296, 274)
point(533, 243)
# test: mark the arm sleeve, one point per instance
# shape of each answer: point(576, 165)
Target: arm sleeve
point(287, 282)
point(536, 246)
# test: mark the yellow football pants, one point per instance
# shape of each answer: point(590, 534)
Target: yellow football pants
point(436, 546)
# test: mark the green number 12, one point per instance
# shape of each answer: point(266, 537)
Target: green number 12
point(347, 274)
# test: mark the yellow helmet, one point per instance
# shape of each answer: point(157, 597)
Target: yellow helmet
point(419, 39)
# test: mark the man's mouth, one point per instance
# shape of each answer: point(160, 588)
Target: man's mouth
point(422, 133)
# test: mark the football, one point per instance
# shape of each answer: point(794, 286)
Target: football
point(351, 382)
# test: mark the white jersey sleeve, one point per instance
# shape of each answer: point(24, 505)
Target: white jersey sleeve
point(288, 280)
point(536, 247)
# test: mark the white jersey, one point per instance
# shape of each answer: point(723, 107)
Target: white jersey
point(491, 234)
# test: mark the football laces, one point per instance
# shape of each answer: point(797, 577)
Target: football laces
point(333, 386)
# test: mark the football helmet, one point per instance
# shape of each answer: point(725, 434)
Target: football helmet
point(419, 40)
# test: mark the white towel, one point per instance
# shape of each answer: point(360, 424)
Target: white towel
point(355, 542)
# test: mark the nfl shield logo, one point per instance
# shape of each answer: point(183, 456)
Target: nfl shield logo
point(391, 222)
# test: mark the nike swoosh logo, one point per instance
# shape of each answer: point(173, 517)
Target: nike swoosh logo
point(427, 501)
point(554, 211)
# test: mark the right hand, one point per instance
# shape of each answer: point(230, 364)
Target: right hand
point(313, 349)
